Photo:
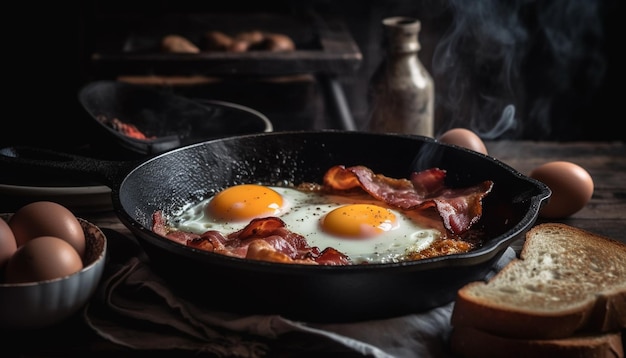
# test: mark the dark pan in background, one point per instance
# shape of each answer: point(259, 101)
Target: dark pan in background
point(166, 120)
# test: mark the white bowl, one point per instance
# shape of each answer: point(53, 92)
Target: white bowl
point(36, 305)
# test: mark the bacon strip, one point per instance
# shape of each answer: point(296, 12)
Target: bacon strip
point(264, 239)
point(459, 208)
point(159, 226)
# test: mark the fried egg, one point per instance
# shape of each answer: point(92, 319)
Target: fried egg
point(357, 225)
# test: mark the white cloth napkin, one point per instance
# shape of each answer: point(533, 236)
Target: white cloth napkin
point(135, 308)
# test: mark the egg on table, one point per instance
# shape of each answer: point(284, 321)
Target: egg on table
point(357, 225)
point(571, 186)
point(463, 138)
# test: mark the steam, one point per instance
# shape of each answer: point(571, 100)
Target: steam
point(501, 65)
point(507, 122)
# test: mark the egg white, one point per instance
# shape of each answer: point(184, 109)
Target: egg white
point(302, 212)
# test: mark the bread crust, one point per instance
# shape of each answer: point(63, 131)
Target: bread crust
point(469, 342)
point(589, 273)
point(509, 322)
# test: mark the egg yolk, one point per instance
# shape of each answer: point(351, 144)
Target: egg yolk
point(358, 221)
point(245, 202)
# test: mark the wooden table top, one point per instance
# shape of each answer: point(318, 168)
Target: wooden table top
point(605, 214)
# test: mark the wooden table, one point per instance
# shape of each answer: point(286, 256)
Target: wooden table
point(605, 214)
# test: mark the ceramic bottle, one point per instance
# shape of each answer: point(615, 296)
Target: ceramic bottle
point(401, 93)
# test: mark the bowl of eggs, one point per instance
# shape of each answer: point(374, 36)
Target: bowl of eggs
point(50, 265)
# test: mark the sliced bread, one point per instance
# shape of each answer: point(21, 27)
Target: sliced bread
point(469, 342)
point(566, 280)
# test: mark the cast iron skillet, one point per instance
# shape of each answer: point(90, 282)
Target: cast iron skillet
point(313, 293)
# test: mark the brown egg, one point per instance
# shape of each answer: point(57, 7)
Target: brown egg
point(7, 243)
point(47, 218)
point(463, 138)
point(42, 258)
point(571, 186)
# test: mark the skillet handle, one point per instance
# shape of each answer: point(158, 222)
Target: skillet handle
point(39, 160)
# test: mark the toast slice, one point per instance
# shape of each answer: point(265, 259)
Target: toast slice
point(566, 280)
point(469, 342)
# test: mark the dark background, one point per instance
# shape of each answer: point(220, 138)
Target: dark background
point(515, 69)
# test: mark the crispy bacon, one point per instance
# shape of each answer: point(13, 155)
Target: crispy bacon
point(262, 239)
point(262, 250)
point(459, 208)
point(259, 228)
point(159, 226)
point(331, 256)
point(274, 231)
